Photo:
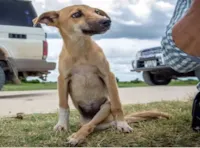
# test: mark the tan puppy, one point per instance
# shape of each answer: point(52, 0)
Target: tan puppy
point(85, 75)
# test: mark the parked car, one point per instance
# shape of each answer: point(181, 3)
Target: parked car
point(154, 69)
point(23, 48)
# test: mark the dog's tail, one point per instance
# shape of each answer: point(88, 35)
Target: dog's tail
point(145, 115)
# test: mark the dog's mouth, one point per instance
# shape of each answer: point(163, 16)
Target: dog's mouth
point(92, 32)
point(95, 30)
point(89, 32)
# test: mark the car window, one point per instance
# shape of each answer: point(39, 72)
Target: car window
point(17, 13)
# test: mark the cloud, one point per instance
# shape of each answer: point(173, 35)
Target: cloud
point(130, 18)
point(146, 24)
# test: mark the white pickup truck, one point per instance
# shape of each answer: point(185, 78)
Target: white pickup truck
point(23, 48)
point(154, 68)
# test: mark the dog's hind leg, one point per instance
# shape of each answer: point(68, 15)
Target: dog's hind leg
point(132, 118)
point(89, 127)
point(104, 126)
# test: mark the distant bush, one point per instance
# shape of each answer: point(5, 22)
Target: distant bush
point(23, 80)
point(117, 79)
point(124, 82)
point(36, 81)
point(136, 81)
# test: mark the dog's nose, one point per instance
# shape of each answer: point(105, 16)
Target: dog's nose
point(105, 23)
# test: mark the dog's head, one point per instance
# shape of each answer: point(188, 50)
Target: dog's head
point(77, 19)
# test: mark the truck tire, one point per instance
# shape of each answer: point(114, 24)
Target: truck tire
point(147, 78)
point(2, 78)
point(155, 79)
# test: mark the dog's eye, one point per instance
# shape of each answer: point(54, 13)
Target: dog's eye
point(77, 14)
point(98, 12)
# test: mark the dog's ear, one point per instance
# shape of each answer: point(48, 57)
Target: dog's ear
point(103, 13)
point(49, 18)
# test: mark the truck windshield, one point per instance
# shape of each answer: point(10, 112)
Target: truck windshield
point(17, 13)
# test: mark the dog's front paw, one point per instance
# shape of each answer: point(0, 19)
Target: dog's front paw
point(122, 126)
point(60, 127)
point(74, 139)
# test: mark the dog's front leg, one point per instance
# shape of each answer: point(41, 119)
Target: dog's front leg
point(99, 60)
point(116, 107)
point(63, 121)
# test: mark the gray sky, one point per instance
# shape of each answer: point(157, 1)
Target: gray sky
point(136, 24)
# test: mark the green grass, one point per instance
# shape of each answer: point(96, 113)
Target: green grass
point(29, 86)
point(129, 84)
point(184, 83)
point(48, 85)
point(36, 130)
point(173, 83)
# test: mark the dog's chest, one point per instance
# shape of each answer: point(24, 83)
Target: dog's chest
point(84, 69)
point(85, 82)
point(86, 87)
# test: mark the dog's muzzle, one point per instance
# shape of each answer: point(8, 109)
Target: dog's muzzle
point(105, 23)
point(97, 27)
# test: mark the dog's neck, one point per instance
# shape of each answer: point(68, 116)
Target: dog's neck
point(77, 45)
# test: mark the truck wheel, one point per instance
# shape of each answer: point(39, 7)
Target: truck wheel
point(2, 78)
point(155, 79)
point(148, 78)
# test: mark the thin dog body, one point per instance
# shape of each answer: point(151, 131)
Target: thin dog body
point(85, 75)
